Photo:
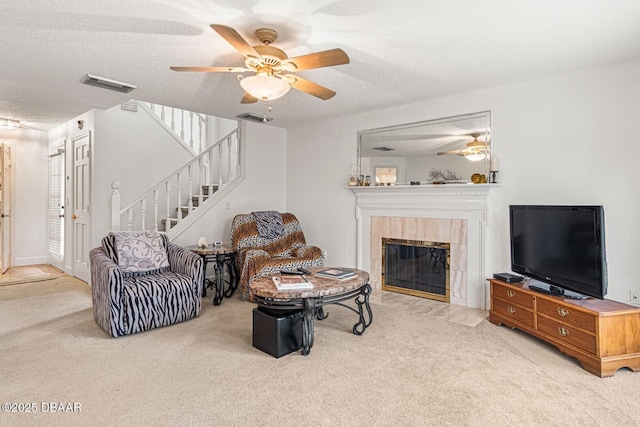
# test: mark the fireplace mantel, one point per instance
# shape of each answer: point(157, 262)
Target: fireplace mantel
point(466, 202)
point(447, 190)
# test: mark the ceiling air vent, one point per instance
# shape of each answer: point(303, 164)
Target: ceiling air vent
point(254, 118)
point(106, 83)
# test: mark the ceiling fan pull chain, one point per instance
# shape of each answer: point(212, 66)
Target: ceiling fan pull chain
point(265, 119)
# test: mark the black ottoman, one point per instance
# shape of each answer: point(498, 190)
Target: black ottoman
point(277, 332)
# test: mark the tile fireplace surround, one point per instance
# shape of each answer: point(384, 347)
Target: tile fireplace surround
point(450, 213)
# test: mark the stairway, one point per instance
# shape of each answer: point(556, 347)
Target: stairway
point(170, 205)
point(183, 211)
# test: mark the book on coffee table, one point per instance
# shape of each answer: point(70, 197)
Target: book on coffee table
point(335, 273)
point(291, 282)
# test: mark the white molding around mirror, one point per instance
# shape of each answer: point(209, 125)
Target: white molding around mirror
point(459, 147)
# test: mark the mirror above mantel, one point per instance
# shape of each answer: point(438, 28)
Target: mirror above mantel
point(447, 150)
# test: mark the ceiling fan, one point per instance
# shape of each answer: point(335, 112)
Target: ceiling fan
point(474, 150)
point(271, 66)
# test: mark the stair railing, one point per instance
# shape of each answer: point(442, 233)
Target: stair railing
point(223, 157)
point(188, 126)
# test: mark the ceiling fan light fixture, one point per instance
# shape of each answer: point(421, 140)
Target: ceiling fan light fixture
point(475, 156)
point(9, 124)
point(265, 87)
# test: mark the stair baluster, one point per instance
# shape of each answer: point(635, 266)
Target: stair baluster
point(229, 149)
point(190, 204)
point(210, 181)
point(179, 213)
point(182, 125)
point(220, 166)
point(201, 179)
point(130, 218)
point(155, 210)
point(191, 130)
point(203, 142)
point(143, 213)
point(167, 224)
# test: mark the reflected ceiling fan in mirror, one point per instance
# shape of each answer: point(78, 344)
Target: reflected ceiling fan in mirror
point(272, 67)
point(474, 150)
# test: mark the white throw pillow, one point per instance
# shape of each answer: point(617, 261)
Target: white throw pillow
point(140, 251)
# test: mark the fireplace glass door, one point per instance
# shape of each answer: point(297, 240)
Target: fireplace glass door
point(416, 268)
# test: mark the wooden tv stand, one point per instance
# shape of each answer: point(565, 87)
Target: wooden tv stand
point(603, 335)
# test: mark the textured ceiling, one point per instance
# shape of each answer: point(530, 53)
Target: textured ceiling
point(400, 50)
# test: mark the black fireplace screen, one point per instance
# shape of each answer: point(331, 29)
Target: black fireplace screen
point(418, 267)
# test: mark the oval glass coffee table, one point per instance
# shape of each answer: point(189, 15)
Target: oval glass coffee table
point(312, 301)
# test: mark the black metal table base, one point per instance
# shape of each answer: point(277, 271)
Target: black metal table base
point(218, 284)
point(314, 308)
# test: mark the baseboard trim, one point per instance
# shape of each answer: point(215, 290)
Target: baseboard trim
point(20, 262)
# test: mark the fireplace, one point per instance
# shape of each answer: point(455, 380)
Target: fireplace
point(416, 267)
point(454, 214)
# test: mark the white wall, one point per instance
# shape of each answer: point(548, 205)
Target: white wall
point(569, 139)
point(30, 189)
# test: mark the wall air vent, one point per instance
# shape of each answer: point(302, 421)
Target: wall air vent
point(130, 105)
point(254, 118)
point(106, 83)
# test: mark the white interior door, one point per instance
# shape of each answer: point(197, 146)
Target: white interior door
point(56, 210)
point(6, 156)
point(81, 218)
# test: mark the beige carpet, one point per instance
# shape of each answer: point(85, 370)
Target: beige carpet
point(406, 369)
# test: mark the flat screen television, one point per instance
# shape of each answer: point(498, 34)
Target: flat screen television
point(562, 246)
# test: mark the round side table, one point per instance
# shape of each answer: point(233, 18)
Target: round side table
point(221, 256)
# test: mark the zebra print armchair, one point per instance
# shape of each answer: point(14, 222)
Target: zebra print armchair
point(268, 242)
point(140, 281)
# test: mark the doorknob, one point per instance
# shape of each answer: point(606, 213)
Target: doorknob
point(73, 216)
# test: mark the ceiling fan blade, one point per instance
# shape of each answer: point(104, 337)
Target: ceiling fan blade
point(212, 69)
point(235, 40)
point(453, 145)
point(459, 152)
point(248, 99)
point(309, 87)
point(325, 58)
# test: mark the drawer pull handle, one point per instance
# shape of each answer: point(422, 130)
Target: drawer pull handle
point(562, 331)
point(511, 310)
point(510, 293)
point(562, 311)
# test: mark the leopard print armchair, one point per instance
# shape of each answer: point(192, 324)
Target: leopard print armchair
point(260, 255)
